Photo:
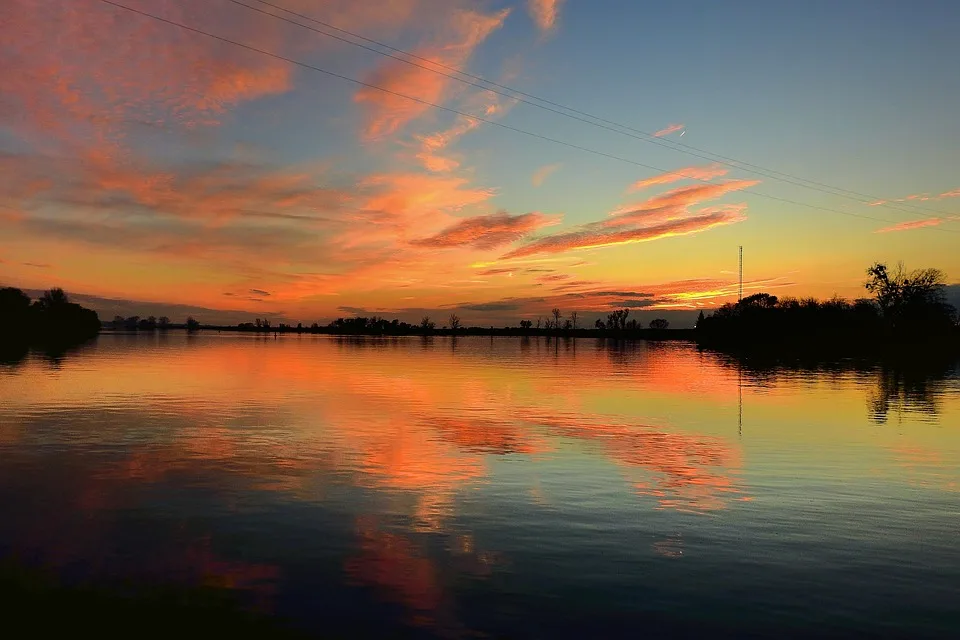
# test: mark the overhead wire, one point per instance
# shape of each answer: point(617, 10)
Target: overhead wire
point(581, 116)
point(482, 119)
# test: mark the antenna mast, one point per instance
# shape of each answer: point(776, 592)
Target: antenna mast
point(740, 294)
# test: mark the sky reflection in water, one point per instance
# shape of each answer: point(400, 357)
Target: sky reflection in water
point(477, 485)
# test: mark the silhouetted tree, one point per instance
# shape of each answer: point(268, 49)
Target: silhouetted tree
point(539, 321)
point(556, 318)
point(599, 324)
point(427, 325)
point(52, 319)
point(526, 324)
point(454, 322)
point(699, 318)
point(659, 324)
point(53, 299)
point(163, 323)
point(910, 301)
point(192, 324)
point(573, 320)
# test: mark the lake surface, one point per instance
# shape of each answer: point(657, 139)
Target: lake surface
point(469, 487)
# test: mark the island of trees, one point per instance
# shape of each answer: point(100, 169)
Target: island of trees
point(906, 309)
point(50, 320)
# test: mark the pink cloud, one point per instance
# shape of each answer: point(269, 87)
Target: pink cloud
point(911, 224)
point(664, 215)
point(687, 173)
point(544, 172)
point(673, 203)
point(594, 238)
point(544, 13)
point(670, 128)
point(919, 197)
point(484, 103)
point(387, 113)
point(486, 232)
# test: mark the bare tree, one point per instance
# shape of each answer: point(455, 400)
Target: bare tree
point(556, 317)
point(454, 322)
point(426, 324)
point(525, 324)
point(539, 321)
point(573, 320)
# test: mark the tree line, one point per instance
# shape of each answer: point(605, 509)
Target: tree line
point(50, 319)
point(905, 306)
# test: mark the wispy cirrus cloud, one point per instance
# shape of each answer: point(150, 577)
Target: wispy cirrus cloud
point(544, 13)
point(433, 147)
point(916, 224)
point(540, 175)
point(487, 231)
point(593, 238)
point(661, 216)
point(687, 173)
point(670, 128)
point(920, 197)
point(387, 112)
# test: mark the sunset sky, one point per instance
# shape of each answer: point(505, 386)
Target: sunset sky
point(143, 161)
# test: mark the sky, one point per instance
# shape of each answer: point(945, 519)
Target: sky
point(214, 157)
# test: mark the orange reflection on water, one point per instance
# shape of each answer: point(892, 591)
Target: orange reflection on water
point(684, 472)
point(403, 572)
point(402, 414)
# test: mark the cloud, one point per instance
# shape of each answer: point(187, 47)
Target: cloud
point(634, 304)
point(490, 306)
point(487, 232)
point(919, 197)
point(663, 215)
point(687, 173)
point(670, 128)
point(911, 224)
point(387, 113)
point(260, 292)
point(544, 13)
point(674, 203)
point(592, 238)
point(484, 103)
point(554, 277)
point(544, 172)
point(494, 272)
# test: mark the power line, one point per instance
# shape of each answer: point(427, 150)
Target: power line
point(481, 119)
point(588, 118)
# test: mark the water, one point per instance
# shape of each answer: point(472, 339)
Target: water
point(490, 488)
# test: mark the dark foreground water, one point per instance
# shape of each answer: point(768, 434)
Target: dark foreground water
point(489, 488)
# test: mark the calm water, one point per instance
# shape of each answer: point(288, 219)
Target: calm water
point(490, 488)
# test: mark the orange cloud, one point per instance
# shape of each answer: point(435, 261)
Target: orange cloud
point(484, 103)
point(388, 113)
point(670, 128)
point(911, 224)
point(69, 79)
point(544, 172)
point(544, 13)
point(487, 232)
point(591, 239)
point(673, 203)
point(664, 215)
point(687, 173)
